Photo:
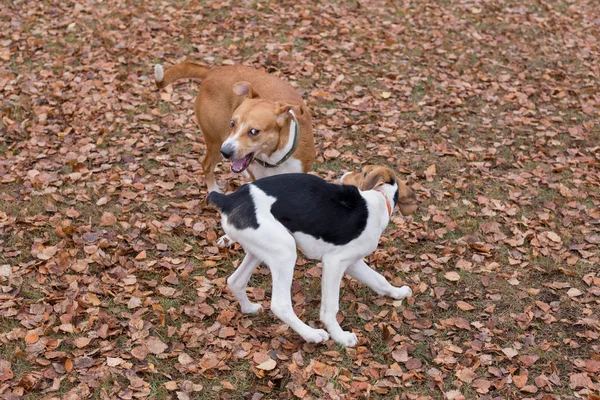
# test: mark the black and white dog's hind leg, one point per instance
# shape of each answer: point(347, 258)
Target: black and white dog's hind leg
point(333, 272)
point(371, 278)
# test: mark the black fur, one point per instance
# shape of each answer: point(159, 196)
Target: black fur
point(305, 203)
point(238, 206)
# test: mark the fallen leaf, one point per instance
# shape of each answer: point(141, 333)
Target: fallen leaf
point(31, 338)
point(510, 352)
point(68, 365)
point(466, 375)
point(155, 345)
point(464, 305)
point(6, 372)
point(267, 365)
point(452, 276)
point(185, 359)
point(553, 236)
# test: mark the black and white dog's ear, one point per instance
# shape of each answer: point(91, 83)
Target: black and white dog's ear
point(282, 110)
point(244, 89)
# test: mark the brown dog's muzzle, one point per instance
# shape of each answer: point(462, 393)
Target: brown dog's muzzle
point(407, 201)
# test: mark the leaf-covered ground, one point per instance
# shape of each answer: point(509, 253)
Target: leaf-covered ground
point(111, 284)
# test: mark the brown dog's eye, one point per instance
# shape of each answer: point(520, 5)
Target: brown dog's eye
point(231, 123)
point(253, 132)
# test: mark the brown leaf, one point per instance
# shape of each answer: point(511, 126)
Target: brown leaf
point(462, 323)
point(267, 365)
point(528, 360)
point(413, 363)
point(81, 342)
point(155, 345)
point(324, 370)
point(31, 337)
point(68, 365)
point(464, 305)
point(185, 359)
point(510, 352)
point(83, 362)
point(529, 389)
point(108, 219)
point(6, 372)
point(209, 361)
point(430, 172)
point(580, 381)
point(114, 361)
point(331, 154)
point(481, 385)
point(140, 352)
point(452, 276)
point(479, 246)
point(520, 380)
point(365, 312)
point(466, 375)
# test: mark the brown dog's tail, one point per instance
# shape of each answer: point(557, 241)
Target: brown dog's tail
point(180, 71)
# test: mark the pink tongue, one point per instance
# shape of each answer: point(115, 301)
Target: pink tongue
point(241, 164)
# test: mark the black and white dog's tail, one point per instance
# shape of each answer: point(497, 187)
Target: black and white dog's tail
point(217, 199)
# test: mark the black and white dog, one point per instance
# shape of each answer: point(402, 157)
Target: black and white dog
point(338, 224)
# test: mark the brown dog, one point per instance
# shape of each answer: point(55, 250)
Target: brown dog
point(254, 119)
point(373, 176)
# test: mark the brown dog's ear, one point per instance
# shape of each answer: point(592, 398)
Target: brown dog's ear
point(283, 112)
point(372, 181)
point(244, 89)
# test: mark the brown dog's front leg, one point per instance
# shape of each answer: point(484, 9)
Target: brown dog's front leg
point(208, 166)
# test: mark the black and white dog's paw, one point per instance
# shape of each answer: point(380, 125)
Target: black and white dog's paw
point(225, 241)
point(400, 293)
point(252, 308)
point(346, 338)
point(316, 336)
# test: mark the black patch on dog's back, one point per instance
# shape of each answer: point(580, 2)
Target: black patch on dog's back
point(237, 206)
point(305, 203)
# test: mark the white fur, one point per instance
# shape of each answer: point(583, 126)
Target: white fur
point(291, 165)
point(274, 245)
point(232, 140)
point(159, 73)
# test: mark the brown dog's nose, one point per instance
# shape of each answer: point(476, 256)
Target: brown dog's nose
point(227, 152)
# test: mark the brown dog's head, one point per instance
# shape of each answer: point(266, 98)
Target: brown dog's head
point(373, 176)
point(256, 128)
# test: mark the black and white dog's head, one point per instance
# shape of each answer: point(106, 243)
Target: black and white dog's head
point(373, 176)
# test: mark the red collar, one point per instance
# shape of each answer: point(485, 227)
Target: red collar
point(387, 203)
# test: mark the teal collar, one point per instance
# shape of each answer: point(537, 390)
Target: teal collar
point(289, 153)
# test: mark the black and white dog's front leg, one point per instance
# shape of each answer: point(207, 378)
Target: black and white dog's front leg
point(333, 271)
point(365, 274)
